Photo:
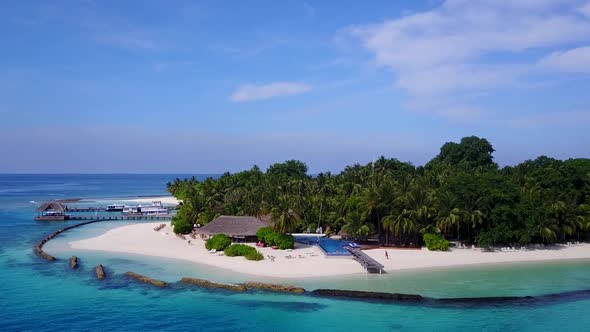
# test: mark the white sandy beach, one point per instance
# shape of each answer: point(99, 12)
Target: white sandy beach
point(309, 260)
point(169, 200)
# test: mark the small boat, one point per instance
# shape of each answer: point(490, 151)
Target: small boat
point(155, 208)
point(115, 208)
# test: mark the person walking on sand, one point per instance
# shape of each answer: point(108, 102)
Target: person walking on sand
point(386, 255)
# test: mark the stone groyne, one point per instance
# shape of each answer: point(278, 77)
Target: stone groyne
point(209, 284)
point(363, 295)
point(274, 287)
point(146, 280)
point(39, 245)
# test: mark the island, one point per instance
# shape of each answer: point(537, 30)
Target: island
point(460, 208)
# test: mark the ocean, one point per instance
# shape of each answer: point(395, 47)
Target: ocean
point(36, 295)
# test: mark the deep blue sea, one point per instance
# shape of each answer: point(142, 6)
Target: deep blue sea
point(40, 296)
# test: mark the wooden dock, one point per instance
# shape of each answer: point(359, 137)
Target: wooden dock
point(370, 265)
point(101, 218)
point(85, 209)
point(121, 217)
point(57, 211)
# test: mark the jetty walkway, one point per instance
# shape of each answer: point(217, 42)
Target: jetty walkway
point(122, 217)
point(370, 265)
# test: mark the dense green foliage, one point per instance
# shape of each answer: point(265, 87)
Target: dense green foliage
point(435, 242)
point(461, 194)
point(248, 252)
point(218, 242)
point(181, 226)
point(274, 238)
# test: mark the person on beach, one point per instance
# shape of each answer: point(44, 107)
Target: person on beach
point(386, 255)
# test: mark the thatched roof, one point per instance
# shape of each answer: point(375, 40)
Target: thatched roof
point(55, 206)
point(232, 226)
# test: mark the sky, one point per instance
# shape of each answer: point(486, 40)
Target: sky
point(211, 86)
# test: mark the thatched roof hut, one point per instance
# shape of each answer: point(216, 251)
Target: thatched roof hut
point(51, 211)
point(232, 226)
point(52, 206)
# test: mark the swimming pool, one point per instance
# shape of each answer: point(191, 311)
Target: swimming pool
point(330, 247)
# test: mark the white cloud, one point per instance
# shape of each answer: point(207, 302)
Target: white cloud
point(576, 60)
point(467, 46)
point(251, 92)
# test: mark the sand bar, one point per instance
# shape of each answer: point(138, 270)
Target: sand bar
point(306, 261)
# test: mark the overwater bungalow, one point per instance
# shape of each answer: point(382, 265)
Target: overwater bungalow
point(51, 211)
point(238, 228)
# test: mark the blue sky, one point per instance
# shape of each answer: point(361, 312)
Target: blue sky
point(187, 86)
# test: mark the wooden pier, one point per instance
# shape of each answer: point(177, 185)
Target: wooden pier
point(85, 209)
point(370, 265)
point(101, 218)
point(56, 211)
point(121, 217)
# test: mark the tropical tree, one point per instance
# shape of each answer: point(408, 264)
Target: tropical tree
point(284, 218)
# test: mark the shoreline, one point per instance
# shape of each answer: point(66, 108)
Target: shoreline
point(309, 261)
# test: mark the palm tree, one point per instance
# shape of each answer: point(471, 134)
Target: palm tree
point(449, 217)
point(285, 219)
point(561, 214)
point(404, 224)
point(582, 218)
point(449, 220)
point(355, 225)
point(370, 205)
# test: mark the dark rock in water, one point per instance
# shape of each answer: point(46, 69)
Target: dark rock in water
point(274, 287)
point(368, 295)
point(42, 253)
point(485, 301)
point(145, 279)
point(209, 284)
point(74, 262)
point(100, 274)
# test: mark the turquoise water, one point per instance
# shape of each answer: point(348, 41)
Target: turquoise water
point(42, 296)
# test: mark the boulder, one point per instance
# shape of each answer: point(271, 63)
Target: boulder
point(100, 274)
point(74, 262)
point(274, 287)
point(209, 284)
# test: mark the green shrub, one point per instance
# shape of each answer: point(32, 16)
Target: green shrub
point(435, 242)
point(273, 238)
point(248, 252)
point(232, 250)
point(285, 241)
point(218, 242)
point(263, 232)
point(181, 226)
point(254, 256)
